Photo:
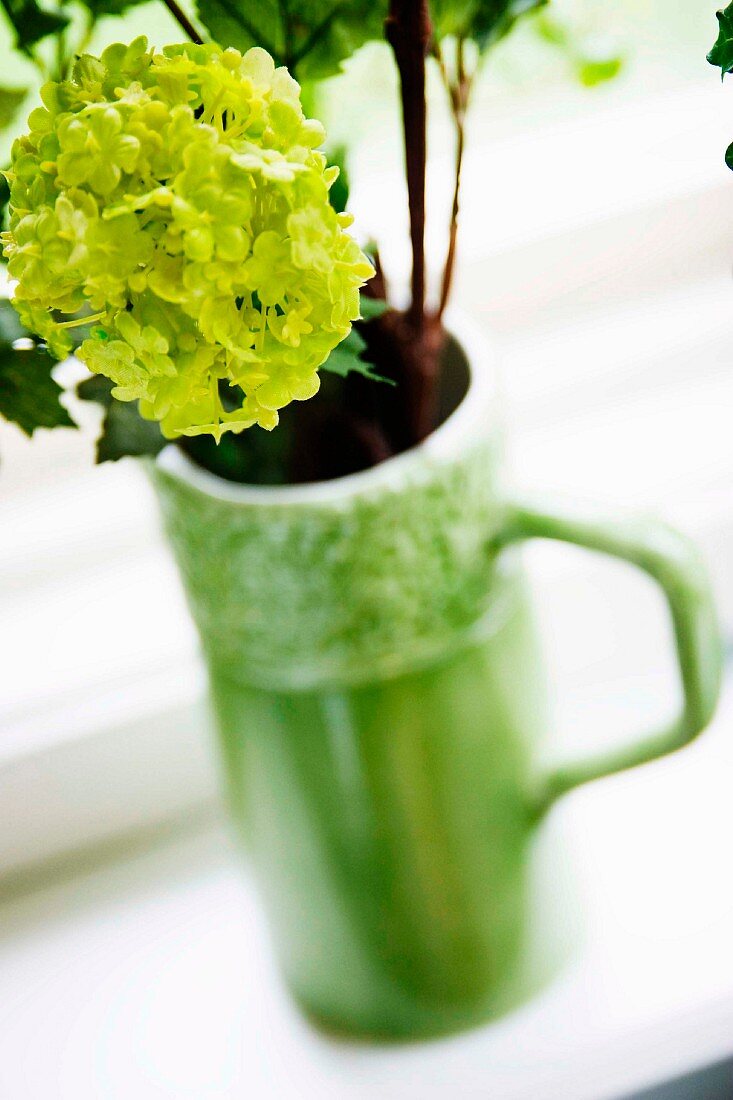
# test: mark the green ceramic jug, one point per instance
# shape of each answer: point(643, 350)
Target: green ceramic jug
point(379, 695)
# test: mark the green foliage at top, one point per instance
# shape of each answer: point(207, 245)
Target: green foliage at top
point(31, 22)
point(99, 8)
point(180, 198)
point(311, 37)
point(483, 21)
point(722, 52)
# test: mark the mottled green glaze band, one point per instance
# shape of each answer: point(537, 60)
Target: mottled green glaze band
point(347, 581)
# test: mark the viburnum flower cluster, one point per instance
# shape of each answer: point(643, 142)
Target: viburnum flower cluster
point(179, 198)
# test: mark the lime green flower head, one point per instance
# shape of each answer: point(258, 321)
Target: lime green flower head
point(180, 197)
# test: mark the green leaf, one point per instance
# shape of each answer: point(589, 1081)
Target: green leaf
point(124, 431)
point(10, 326)
point(10, 101)
point(311, 37)
point(98, 8)
point(494, 19)
point(483, 21)
point(29, 396)
point(348, 357)
point(722, 52)
point(345, 359)
point(339, 193)
point(371, 307)
point(31, 22)
point(594, 71)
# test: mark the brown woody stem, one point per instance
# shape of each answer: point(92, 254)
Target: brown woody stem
point(409, 33)
point(458, 92)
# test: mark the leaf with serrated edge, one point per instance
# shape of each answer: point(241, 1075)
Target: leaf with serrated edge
point(29, 396)
point(312, 37)
point(31, 22)
point(124, 431)
point(371, 307)
point(345, 359)
point(722, 52)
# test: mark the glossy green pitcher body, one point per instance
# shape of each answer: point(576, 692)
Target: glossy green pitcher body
point(380, 697)
point(389, 824)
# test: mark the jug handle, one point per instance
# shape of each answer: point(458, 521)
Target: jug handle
point(671, 560)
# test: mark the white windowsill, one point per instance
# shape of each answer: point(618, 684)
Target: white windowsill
point(152, 976)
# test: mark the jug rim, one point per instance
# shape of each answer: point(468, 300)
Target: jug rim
point(470, 418)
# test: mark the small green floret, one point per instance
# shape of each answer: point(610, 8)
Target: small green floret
point(177, 201)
